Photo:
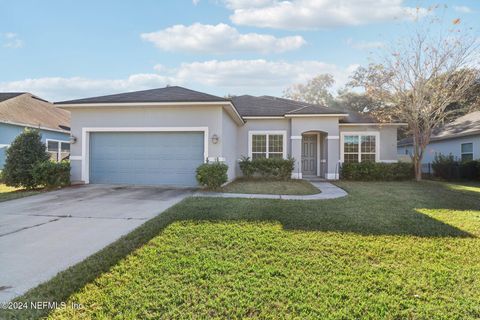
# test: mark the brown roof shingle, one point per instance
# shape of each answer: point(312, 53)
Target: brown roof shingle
point(27, 109)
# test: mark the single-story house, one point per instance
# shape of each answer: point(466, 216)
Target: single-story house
point(20, 110)
point(461, 138)
point(160, 136)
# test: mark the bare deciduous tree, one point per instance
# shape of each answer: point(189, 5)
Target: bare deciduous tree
point(316, 90)
point(422, 75)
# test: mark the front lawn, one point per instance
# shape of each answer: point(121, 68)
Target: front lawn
point(392, 250)
point(264, 186)
point(10, 193)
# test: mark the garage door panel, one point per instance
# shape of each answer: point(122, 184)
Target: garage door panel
point(148, 158)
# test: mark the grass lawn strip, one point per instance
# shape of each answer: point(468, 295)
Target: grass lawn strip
point(262, 186)
point(10, 193)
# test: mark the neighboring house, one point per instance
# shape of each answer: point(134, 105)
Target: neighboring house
point(160, 136)
point(461, 138)
point(20, 110)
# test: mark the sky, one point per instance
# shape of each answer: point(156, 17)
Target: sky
point(66, 49)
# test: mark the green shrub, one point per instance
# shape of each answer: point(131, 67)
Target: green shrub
point(52, 174)
point(470, 170)
point(377, 171)
point(444, 166)
point(272, 168)
point(449, 168)
point(25, 151)
point(247, 167)
point(212, 175)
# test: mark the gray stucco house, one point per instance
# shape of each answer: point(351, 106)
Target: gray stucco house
point(461, 138)
point(20, 110)
point(160, 136)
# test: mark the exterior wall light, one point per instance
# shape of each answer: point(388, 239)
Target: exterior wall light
point(215, 139)
point(73, 139)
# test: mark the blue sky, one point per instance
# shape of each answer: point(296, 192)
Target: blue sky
point(66, 49)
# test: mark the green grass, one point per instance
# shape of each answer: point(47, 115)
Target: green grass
point(465, 186)
point(397, 250)
point(262, 186)
point(10, 193)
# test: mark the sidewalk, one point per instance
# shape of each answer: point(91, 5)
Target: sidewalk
point(328, 191)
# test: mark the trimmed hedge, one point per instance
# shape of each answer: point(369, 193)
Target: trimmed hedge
point(272, 168)
point(449, 168)
point(51, 174)
point(247, 166)
point(212, 175)
point(377, 171)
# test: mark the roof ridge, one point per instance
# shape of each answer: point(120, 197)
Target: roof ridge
point(295, 110)
point(302, 103)
point(182, 93)
point(289, 101)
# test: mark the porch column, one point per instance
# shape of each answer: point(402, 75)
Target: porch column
point(333, 147)
point(296, 142)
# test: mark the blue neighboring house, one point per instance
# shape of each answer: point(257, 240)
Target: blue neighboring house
point(20, 110)
point(461, 138)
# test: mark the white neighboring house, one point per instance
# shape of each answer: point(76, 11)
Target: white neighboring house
point(461, 138)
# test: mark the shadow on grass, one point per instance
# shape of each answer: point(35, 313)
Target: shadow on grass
point(323, 216)
point(370, 209)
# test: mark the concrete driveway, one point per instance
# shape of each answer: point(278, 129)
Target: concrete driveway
point(44, 234)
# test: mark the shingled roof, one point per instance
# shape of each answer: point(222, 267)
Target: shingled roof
point(246, 105)
point(466, 125)
point(27, 109)
point(167, 94)
point(268, 106)
point(357, 117)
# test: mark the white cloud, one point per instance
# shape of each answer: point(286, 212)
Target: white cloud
point(313, 14)
point(59, 88)
point(11, 40)
point(364, 45)
point(255, 73)
point(462, 9)
point(220, 38)
point(214, 76)
point(239, 4)
point(195, 2)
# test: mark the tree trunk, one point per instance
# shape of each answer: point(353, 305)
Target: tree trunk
point(417, 163)
point(419, 144)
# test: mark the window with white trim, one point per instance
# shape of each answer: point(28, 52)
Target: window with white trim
point(267, 145)
point(58, 150)
point(467, 151)
point(359, 148)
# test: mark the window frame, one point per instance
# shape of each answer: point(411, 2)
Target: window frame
point(465, 153)
point(267, 133)
point(59, 148)
point(359, 135)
